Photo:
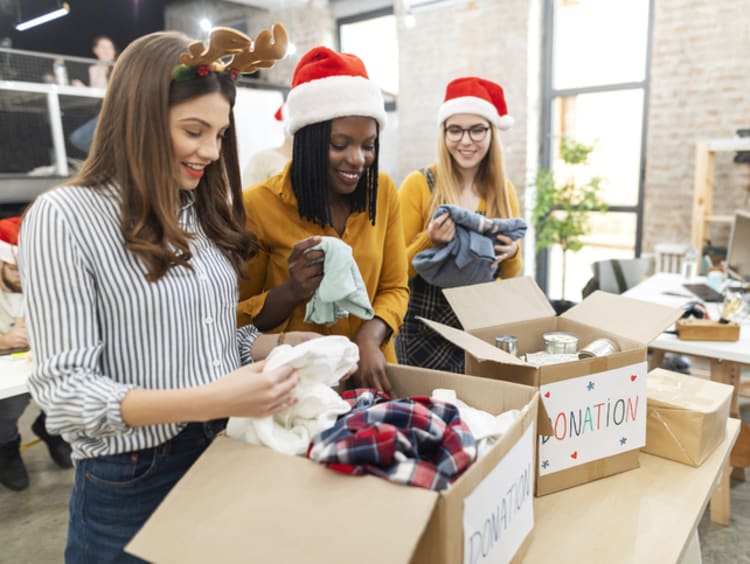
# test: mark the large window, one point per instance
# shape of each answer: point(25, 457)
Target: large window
point(596, 93)
point(372, 37)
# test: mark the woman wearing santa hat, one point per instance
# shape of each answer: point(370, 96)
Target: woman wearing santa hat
point(331, 189)
point(469, 174)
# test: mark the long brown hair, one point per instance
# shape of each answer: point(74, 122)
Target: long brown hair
point(490, 179)
point(132, 151)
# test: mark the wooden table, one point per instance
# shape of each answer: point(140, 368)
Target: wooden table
point(14, 371)
point(726, 359)
point(643, 515)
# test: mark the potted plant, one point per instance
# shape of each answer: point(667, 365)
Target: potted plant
point(563, 202)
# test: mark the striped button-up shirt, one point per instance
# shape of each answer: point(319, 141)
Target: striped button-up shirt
point(98, 328)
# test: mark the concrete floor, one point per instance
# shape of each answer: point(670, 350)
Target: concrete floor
point(33, 523)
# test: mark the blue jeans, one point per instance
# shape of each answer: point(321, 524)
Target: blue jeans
point(82, 137)
point(114, 495)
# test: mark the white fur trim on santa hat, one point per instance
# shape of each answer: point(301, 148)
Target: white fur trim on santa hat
point(8, 252)
point(474, 105)
point(334, 97)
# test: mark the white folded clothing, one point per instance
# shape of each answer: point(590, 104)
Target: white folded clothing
point(485, 427)
point(320, 364)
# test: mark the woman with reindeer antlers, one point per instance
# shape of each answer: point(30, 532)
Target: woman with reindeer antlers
point(469, 177)
point(330, 194)
point(130, 272)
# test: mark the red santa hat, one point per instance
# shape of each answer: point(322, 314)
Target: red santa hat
point(328, 85)
point(9, 229)
point(474, 95)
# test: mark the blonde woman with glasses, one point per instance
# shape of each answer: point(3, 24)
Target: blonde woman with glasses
point(470, 176)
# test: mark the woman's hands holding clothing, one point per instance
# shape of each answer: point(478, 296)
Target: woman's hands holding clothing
point(305, 274)
point(441, 229)
point(245, 392)
point(250, 392)
point(505, 248)
point(305, 268)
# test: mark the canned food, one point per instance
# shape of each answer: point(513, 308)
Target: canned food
point(508, 343)
point(598, 347)
point(560, 342)
point(543, 358)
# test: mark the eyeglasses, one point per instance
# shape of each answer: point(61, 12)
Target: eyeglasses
point(455, 134)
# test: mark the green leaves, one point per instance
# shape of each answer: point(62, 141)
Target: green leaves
point(560, 210)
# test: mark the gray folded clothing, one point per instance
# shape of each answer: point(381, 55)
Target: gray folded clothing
point(469, 258)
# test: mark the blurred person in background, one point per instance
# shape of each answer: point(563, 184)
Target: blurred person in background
point(13, 337)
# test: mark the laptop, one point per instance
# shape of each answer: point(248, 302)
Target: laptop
point(704, 292)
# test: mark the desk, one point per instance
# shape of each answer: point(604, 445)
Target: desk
point(725, 357)
point(14, 371)
point(643, 515)
point(652, 290)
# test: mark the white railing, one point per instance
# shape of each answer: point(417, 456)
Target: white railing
point(43, 99)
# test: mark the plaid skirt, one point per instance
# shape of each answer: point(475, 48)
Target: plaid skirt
point(417, 344)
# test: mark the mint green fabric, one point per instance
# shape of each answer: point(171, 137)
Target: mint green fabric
point(342, 290)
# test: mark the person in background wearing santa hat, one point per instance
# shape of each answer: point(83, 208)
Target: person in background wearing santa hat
point(331, 188)
point(13, 337)
point(470, 174)
point(264, 164)
point(130, 277)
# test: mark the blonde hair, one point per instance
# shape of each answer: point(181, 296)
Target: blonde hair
point(490, 178)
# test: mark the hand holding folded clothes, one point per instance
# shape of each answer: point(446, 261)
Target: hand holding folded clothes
point(319, 363)
point(472, 254)
point(441, 228)
point(305, 268)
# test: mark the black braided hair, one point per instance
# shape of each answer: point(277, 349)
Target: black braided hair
point(310, 176)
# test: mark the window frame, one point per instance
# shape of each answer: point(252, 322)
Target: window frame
point(390, 105)
point(549, 94)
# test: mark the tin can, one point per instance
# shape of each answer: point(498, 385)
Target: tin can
point(508, 343)
point(560, 342)
point(598, 347)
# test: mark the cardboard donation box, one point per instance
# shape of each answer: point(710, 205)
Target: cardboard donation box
point(687, 416)
point(596, 406)
point(246, 503)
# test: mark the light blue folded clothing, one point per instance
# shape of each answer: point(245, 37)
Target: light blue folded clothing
point(342, 290)
point(469, 258)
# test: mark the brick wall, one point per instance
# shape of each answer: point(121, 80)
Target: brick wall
point(308, 26)
point(700, 89)
point(487, 39)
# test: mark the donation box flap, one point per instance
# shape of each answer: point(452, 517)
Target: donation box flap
point(498, 303)
point(630, 318)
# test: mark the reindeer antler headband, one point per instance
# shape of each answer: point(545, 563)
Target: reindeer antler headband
point(247, 55)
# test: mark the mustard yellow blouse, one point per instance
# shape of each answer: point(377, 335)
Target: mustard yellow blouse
point(379, 251)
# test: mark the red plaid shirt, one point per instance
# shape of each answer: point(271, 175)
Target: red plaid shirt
point(416, 441)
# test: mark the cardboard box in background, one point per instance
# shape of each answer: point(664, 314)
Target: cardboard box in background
point(687, 416)
point(245, 503)
point(596, 406)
